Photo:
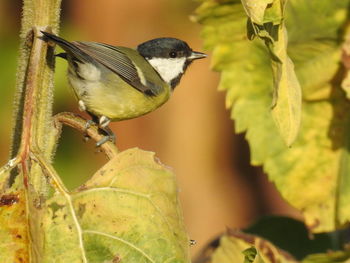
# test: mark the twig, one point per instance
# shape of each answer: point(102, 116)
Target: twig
point(77, 122)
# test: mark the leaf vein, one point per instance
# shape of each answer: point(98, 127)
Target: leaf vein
point(121, 240)
point(119, 190)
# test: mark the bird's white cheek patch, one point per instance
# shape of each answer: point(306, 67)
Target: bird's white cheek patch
point(168, 68)
point(89, 72)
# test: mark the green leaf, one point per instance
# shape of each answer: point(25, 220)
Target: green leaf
point(130, 209)
point(256, 9)
point(293, 236)
point(313, 174)
point(286, 102)
point(286, 108)
point(238, 247)
point(127, 212)
point(330, 257)
point(250, 254)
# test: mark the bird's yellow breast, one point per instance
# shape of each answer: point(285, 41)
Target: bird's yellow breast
point(105, 94)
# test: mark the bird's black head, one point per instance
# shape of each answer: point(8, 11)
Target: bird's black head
point(164, 48)
point(169, 57)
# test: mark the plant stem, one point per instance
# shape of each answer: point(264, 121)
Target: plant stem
point(33, 126)
point(34, 83)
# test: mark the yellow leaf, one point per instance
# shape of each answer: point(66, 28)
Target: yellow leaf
point(256, 9)
point(312, 175)
point(130, 208)
point(14, 245)
point(128, 211)
point(236, 247)
point(286, 108)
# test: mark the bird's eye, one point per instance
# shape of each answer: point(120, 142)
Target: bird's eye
point(172, 54)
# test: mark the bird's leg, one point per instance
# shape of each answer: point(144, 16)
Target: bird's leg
point(110, 136)
point(103, 127)
point(89, 123)
point(102, 123)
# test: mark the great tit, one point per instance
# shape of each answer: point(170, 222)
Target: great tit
point(115, 83)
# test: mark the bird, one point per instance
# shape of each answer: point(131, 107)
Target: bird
point(114, 83)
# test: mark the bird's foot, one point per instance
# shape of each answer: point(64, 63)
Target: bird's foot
point(109, 136)
point(105, 139)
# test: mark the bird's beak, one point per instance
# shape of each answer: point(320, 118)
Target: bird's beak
point(197, 55)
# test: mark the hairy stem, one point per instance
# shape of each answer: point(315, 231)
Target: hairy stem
point(33, 127)
point(34, 83)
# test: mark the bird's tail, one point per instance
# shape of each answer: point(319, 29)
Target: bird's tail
point(67, 46)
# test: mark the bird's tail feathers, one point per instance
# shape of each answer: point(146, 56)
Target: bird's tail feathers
point(67, 46)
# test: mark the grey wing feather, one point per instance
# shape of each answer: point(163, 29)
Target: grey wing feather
point(115, 60)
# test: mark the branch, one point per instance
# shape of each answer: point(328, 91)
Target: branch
point(79, 123)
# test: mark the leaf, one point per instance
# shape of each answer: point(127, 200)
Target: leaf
point(145, 224)
point(249, 254)
point(293, 236)
point(312, 175)
point(286, 102)
point(13, 221)
point(127, 212)
point(286, 109)
point(238, 247)
point(330, 257)
point(346, 62)
point(256, 9)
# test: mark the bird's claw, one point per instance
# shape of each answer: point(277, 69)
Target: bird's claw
point(105, 130)
point(110, 136)
point(105, 139)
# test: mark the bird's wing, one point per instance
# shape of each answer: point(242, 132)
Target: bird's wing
point(116, 60)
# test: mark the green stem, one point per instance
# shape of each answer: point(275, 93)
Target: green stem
point(33, 125)
point(34, 83)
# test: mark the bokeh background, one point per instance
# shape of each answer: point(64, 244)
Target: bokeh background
point(192, 133)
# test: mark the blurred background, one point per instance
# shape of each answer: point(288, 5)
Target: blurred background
point(192, 133)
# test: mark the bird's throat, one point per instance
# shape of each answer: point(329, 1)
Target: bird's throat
point(169, 69)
